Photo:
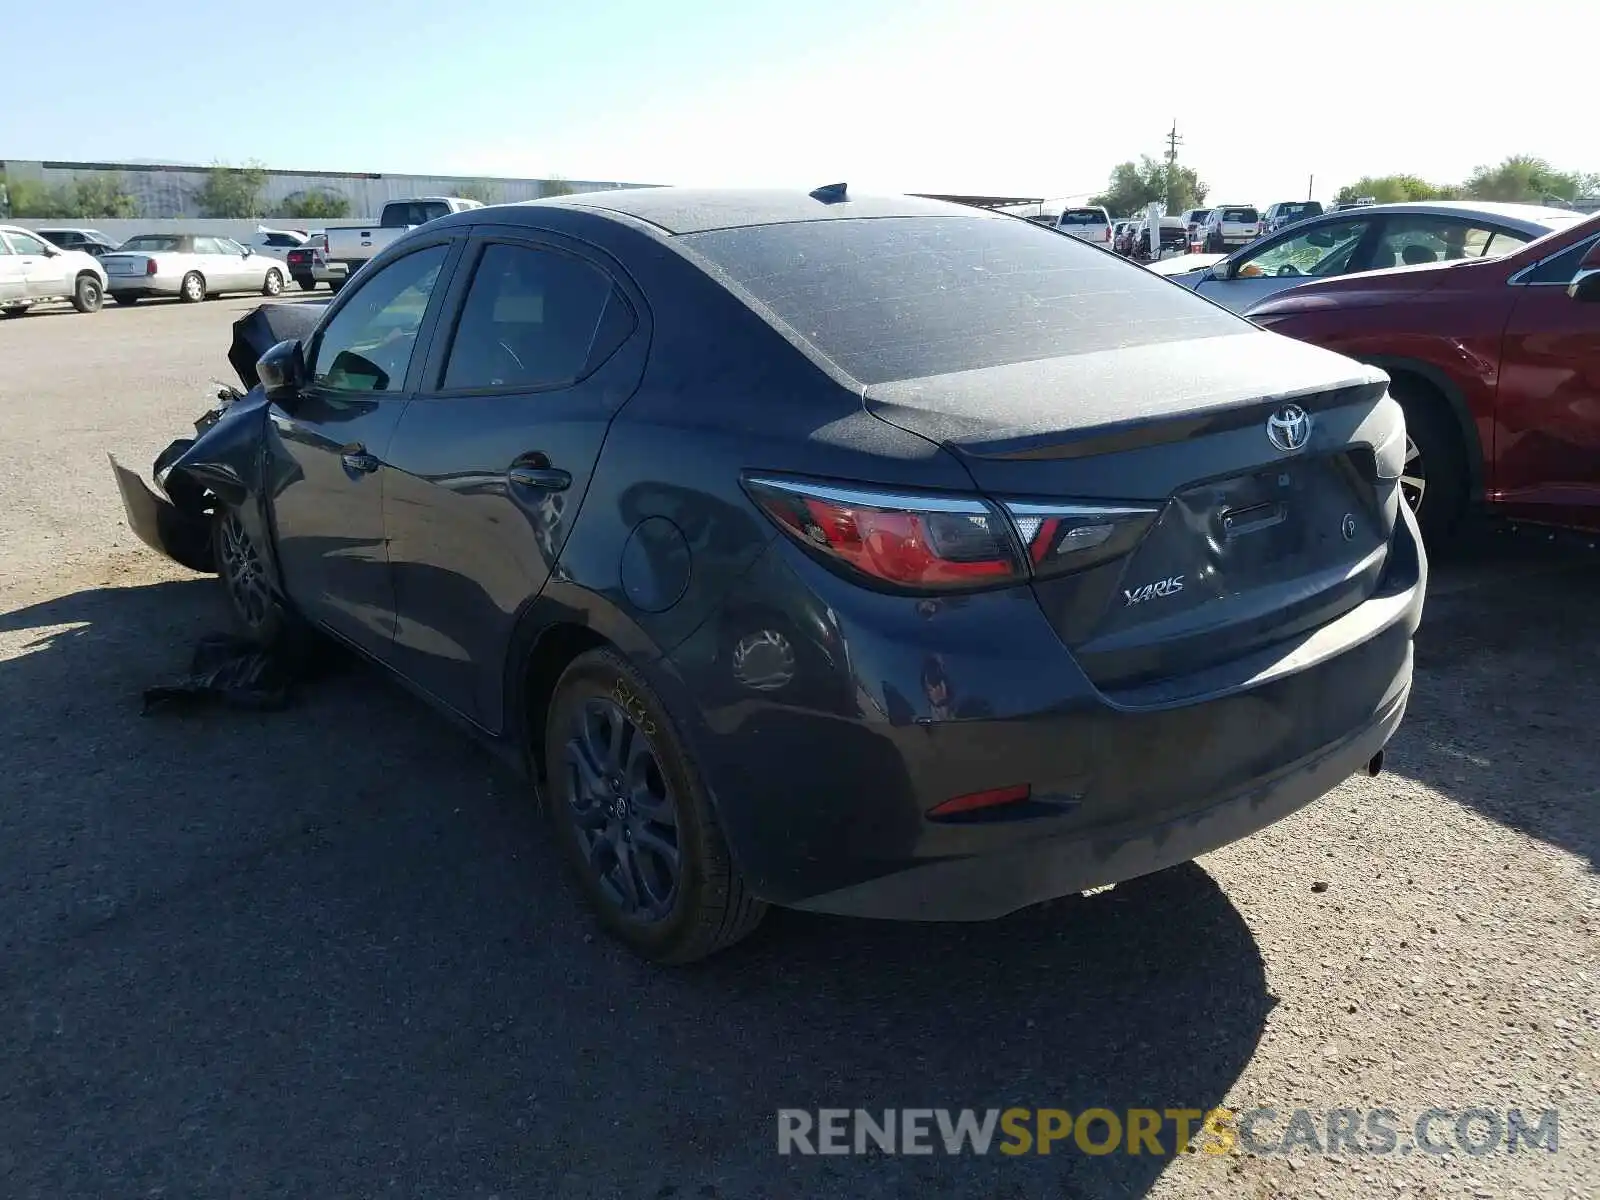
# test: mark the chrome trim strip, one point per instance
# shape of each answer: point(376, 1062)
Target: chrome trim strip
point(870, 498)
point(1516, 280)
point(1022, 508)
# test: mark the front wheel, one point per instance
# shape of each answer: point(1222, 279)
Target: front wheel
point(88, 296)
point(242, 568)
point(193, 289)
point(633, 819)
point(273, 284)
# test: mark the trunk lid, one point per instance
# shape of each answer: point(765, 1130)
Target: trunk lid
point(1243, 542)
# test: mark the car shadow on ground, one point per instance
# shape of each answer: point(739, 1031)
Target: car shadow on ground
point(1508, 681)
point(328, 951)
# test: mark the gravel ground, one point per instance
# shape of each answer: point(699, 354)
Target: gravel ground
point(327, 952)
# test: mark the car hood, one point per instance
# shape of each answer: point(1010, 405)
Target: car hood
point(262, 328)
point(1186, 264)
point(1363, 290)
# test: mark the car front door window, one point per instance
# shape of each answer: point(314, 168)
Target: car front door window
point(1325, 250)
point(369, 343)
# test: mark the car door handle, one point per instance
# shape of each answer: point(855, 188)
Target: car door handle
point(540, 479)
point(356, 458)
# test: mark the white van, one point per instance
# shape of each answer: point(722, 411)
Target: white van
point(1090, 224)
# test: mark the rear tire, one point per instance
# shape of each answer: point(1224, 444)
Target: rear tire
point(193, 288)
point(1434, 481)
point(307, 284)
point(334, 285)
point(634, 820)
point(88, 296)
point(273, 284)
point(13, 310)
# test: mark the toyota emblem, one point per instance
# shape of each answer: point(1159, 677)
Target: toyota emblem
point(1289, 428)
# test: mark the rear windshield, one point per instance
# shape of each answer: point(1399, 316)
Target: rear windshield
point(1199, 214)
point(413, 212)
point(905, 297)
point(1298, 210)
point(1083, 216)
point(1240, 214)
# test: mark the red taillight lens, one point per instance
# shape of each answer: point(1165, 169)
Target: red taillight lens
point(1068, 537)
point(915, 541)
point(149, 266)
point(975, 801)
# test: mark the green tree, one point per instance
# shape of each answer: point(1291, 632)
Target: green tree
point(1396, 189)
point(316, 206)
point(1522, 177)
point(480, 190)
point(85, 198)
point(1132, 186)
point(233, 193)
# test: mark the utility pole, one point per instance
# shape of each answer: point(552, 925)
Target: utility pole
point(1173, 142)
point(1310, 179)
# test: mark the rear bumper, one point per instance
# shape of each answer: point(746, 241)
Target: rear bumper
point(984, 886)
point(144, 285)
point(823, 784)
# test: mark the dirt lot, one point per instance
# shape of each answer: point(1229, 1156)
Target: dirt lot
point(327, 953)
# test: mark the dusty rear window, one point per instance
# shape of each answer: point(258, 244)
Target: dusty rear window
point(901, 298)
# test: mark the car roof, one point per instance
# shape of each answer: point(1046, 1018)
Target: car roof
point(696, 210)
point(1526, 214)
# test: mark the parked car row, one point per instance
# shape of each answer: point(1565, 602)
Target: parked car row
point(83, 265)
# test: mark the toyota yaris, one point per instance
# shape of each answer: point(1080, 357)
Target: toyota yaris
point(864, 555)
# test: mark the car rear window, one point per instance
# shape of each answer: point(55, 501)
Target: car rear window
point(1296, 210)
point(1240, 214)
point(154, 241)
point(902, 298)
point(1083, 216)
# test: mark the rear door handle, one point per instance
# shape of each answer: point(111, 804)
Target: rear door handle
point(356, 458)
point(540, 479)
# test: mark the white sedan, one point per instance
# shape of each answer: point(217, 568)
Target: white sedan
point(190, 266)
point(33, 270)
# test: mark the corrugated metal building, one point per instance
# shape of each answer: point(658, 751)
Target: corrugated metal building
point(168, 190)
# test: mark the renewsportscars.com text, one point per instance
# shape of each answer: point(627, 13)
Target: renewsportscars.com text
point(1260, 1130)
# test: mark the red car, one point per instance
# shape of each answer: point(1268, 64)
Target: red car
point(1496, 362)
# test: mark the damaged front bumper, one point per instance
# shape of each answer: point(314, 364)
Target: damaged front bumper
point(216, 465)
point(178, 525)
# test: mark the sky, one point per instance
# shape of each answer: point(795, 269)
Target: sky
point(999, 97)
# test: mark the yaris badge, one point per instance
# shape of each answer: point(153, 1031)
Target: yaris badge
point(1289, 428)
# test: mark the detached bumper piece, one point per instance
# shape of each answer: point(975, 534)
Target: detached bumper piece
point(183, 537)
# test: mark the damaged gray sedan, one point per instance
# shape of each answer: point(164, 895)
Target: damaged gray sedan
point(865, 555)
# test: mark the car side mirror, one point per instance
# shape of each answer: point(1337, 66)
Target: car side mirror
point(282, 371)
point(1223, 270)
point(248, 252)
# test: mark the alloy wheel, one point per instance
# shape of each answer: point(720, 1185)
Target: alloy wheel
point(242, 573)
point(1413, 476)
point(623, 810)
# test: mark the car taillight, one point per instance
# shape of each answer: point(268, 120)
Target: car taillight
point(149, 266)
point(915, 541)
point(1062, 537)
point(920, 541)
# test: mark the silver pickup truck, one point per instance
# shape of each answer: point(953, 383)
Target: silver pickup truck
point(347, 247)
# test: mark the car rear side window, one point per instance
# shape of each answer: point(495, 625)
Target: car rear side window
point(367, 346)
point(904, 297)
point(530, 320)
